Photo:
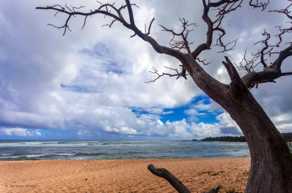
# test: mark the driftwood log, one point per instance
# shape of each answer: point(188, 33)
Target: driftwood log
point(174, 181)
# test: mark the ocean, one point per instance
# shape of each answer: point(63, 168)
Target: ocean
point(95, 150)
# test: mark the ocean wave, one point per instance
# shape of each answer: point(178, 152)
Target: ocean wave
point(92, 150)
point(49, 144)
point(34, 156)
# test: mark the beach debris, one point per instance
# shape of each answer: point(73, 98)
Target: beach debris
point(168, 176)
point(174, 181)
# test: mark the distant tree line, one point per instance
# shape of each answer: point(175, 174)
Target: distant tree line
point(286, 136)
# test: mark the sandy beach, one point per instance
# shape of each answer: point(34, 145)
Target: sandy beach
point(120, 176)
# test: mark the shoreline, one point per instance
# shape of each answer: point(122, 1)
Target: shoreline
point(132, 159)
point(121, 176)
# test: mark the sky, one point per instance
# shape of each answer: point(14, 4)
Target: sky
point(91, 83)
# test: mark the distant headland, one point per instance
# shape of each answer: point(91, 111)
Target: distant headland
point(287, 137)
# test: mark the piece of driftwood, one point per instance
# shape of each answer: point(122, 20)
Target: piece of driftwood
point(174, 181)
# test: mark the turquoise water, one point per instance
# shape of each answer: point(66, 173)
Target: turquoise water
point(94, 150)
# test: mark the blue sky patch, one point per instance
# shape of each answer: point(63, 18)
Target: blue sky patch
point(181, 112)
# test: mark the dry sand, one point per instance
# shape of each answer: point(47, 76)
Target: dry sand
point(120, 176)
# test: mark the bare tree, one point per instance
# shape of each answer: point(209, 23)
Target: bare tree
point(271, 161)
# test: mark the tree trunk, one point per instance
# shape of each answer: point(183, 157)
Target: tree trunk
point(271, 162)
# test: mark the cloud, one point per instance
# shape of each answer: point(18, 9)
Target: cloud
point(90, 80)
point(19, 132)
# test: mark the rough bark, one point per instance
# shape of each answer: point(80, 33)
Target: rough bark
point(271, 161)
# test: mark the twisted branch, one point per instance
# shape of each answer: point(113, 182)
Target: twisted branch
point(116, 14)
point(270, 71)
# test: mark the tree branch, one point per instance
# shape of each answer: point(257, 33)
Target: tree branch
point(237, 87)
point(224, 7)
point(272, 69)
point(115, 14)
point(283, 55)
point(259, 4)
point(180, 40)
point(268, 75)
point(177, 74)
